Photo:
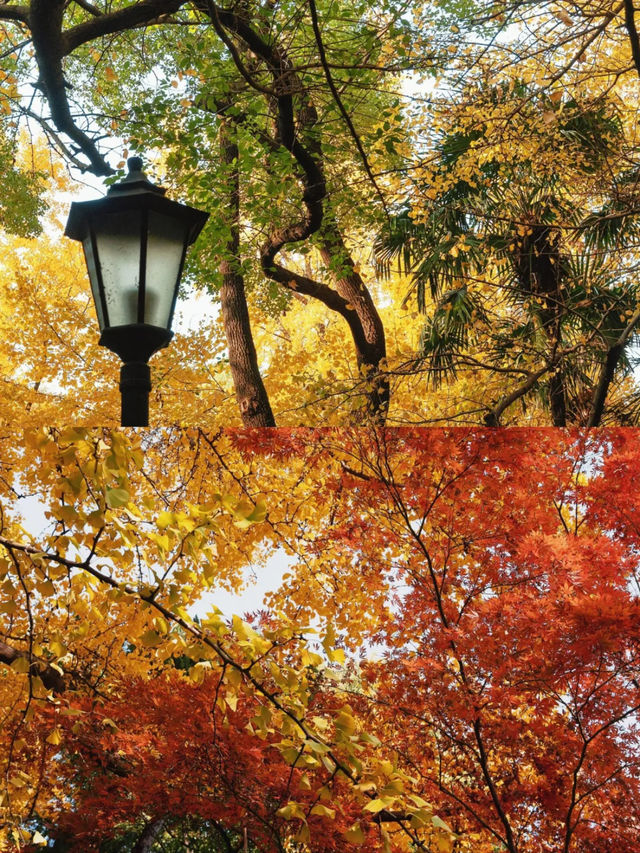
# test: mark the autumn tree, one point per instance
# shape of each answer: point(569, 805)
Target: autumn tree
point(167, 756)
point(452, 645)
point(105, 598)
point(250, 74)
point(498, 585)
point(511, 260)
point(518, 228)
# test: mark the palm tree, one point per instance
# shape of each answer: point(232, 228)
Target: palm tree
point(514, 277)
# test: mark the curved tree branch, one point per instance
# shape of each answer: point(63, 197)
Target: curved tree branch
point(139, 14)
point(612, 358)
point(45, 22)
point(14, 13)
point(51, 44)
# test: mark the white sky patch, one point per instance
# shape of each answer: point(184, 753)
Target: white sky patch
point(194, 309)
point(256, 581)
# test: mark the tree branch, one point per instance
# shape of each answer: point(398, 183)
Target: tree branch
point(144, 844)
point(146, 12)
point(630, 24)
point(45, 21)
point(492, 418)
point(14, 13)
point(614, 354)
point(286, 82)
point(88, 7)
point(233, 50)
point(50, 677)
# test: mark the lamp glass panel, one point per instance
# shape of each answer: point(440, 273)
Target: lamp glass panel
point(165, 245)
point(87, 245)
point(118, 241)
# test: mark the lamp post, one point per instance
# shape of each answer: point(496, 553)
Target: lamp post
point(135, 241)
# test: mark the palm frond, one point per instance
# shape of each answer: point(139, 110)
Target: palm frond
point(446, 334)
point(396, 242)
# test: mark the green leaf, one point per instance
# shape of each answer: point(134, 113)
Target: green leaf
point(117, 497)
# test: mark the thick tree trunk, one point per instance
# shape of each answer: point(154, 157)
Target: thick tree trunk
point(557, 380)
point(602, 389)
point(253, 401)
point(371, 348)
point(557, 400)
point(145, 842)
point(539, 267)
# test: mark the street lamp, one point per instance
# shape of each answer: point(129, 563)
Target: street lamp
point(135, 241)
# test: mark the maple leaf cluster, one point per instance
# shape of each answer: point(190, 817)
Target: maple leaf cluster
point(450, 659)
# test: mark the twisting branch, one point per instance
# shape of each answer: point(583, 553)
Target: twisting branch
point(235, 54)
point(51, 44)
point(295, 132)
point(285, 84)
point(45, 21)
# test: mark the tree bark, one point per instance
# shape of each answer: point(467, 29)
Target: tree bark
point(602, 389)
point(251, 394)
point(371, 348)
point(557, 400)
point(539, 267)
point(144, 844)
